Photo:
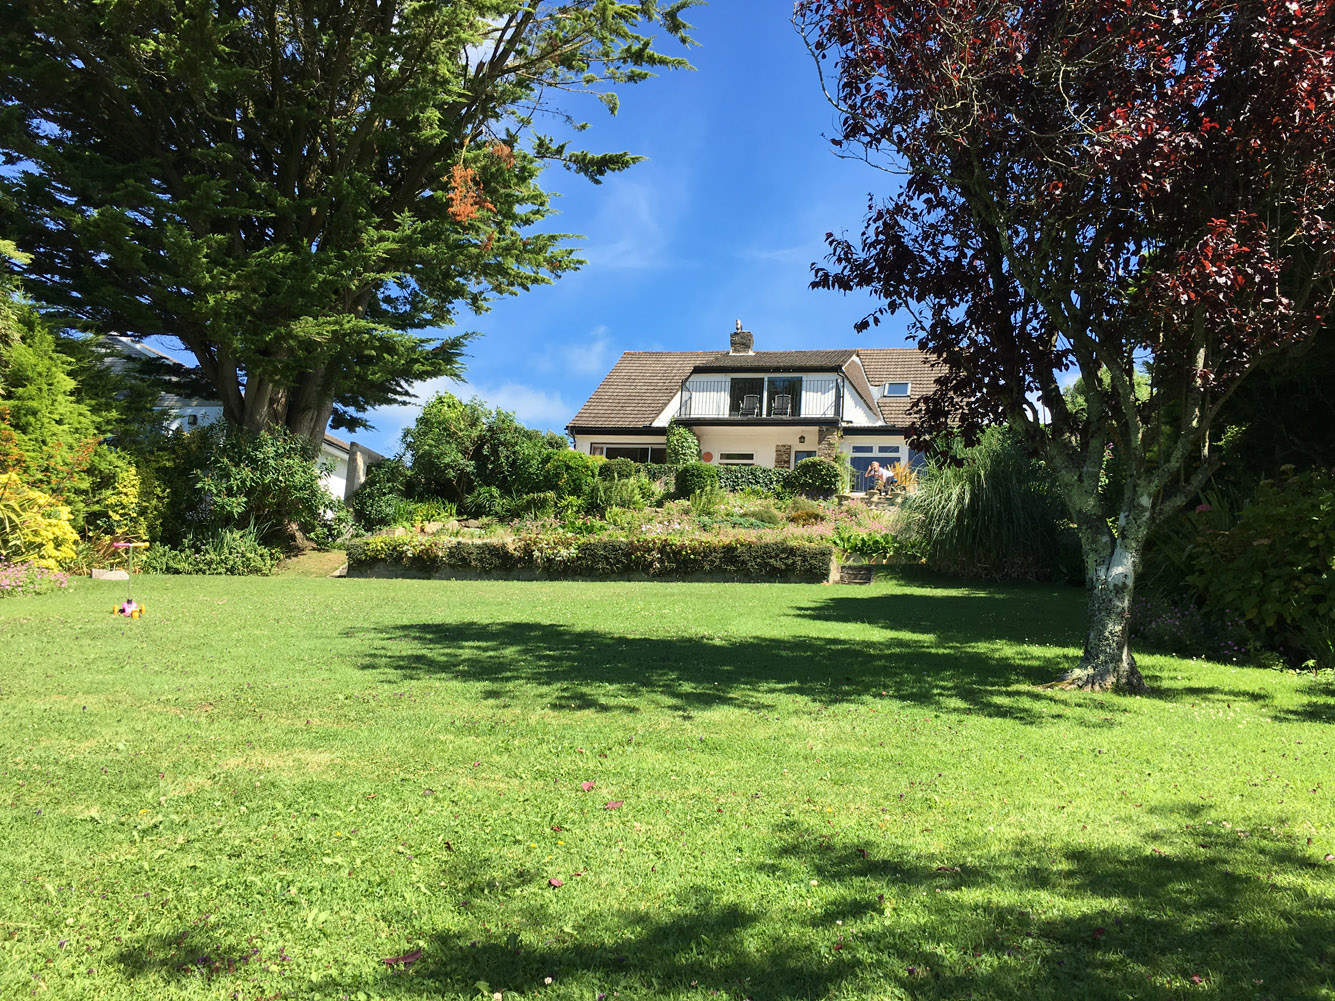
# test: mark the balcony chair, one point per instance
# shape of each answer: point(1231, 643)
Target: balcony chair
point(750, 406)
point(782, 406)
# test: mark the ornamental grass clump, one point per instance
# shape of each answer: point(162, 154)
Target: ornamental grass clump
point(989, 511)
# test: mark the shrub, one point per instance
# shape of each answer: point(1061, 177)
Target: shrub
point(876, 546)
point(989, 511)
point(221, 478)
point(616, 469)
point(18, 580)
point(375, 503)
point(34, 529)
point(1180, 626)
point(695, 476)
point(737, 478)
point(682, 445)
point(535, 505)
point(765, 514)
point(1276, 566)
point(816, 477)
point(119, 500)
point(236, 552)
point(487, 502)
point(567, 473)
point(661, 473)
point(807, 517)
point(571, 555)
point(706, 500)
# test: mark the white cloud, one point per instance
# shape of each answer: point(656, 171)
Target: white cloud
point(590, 357)
point(632, 214)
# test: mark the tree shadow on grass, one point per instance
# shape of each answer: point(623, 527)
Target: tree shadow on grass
point(585, 669)
point(1207, 909)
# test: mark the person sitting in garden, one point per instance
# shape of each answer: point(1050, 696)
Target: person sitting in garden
point(875, 476)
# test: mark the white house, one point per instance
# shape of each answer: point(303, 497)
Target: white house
point(763, 408)
point(350, 460)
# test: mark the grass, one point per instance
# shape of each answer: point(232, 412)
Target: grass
point(265, 788)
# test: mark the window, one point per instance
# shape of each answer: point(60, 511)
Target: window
point(636, 453)
point(862, 449)
point(785, 397)
point(192, 420)
point(737, 458)
point(896, 389)
point(744, 397)
point(799, 456)
point(891, 449)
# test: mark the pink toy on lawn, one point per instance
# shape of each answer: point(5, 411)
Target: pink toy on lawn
point(129, 608)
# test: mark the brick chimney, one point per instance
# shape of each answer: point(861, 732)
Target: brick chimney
point(741, 341)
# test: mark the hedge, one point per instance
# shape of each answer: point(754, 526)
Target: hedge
point(569, 555)
point(734, 478)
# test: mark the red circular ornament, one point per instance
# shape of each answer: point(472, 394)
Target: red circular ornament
point(707, 457)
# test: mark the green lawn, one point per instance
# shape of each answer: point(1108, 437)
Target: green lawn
point(265, 788)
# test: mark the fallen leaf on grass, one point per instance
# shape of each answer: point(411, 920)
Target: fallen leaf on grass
point(407, 959)
point(614, 804)
point(947, 868)
point(555, 882)
point(586, 786)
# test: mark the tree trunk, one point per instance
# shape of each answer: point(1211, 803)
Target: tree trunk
point(1107, 663)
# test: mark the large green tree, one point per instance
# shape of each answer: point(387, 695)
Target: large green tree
point(297, 189)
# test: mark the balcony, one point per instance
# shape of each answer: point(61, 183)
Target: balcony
point(761, 399)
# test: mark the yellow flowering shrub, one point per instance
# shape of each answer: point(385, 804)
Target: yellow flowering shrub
point(33, 527)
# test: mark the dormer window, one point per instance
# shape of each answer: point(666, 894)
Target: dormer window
point(896, 389)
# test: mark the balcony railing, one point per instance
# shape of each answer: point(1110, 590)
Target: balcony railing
point(704, 397)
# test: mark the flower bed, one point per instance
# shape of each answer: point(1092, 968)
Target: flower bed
point(28, 577)
point(569, 555)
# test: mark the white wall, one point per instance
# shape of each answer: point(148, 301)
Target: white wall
point(760, 440)
point(336, 482)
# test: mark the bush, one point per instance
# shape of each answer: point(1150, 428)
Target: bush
point(706, 500)
point(807, 516)
point(541, 504)
point(487, 502)
point(1276, 566)
point(616, 469)
point(18, 580)
point(990, 511)
point(34, 529)
point(695, 476)
point(120, 501)
point(682, 445)
point(571, 555)
point(235, 552)
point(876, 547)
point(375, 503)
point(661, 473)
point(737, 478)
point(223, 478)
point(765, 514)
point(568, 473)
point(816, 477)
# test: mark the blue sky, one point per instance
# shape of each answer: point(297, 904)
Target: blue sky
point(720, 223)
